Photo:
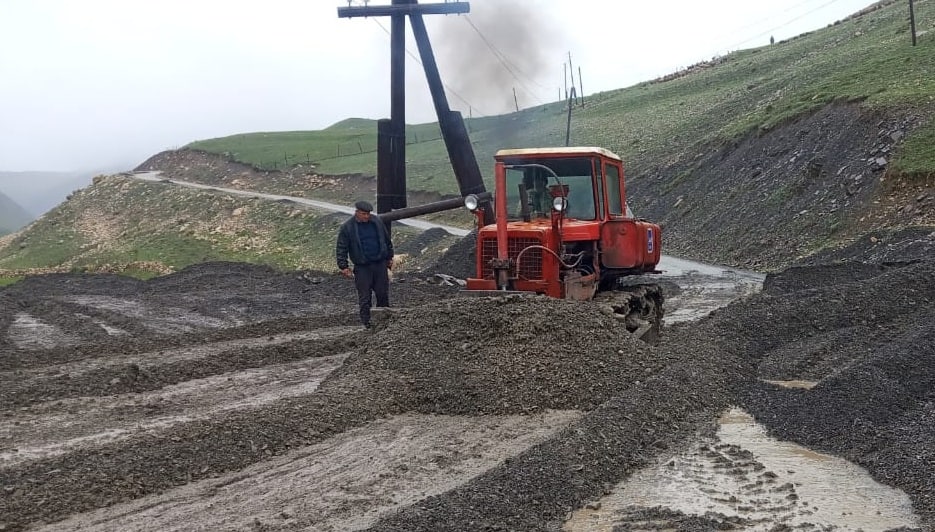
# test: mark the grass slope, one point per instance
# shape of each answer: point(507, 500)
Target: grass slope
point(866, 58)
point(144, 228)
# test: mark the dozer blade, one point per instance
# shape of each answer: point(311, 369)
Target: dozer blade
point(492, 293)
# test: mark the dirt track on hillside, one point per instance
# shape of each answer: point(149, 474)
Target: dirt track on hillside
point(234, 397)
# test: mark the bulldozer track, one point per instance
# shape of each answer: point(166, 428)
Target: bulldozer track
point(639, 306)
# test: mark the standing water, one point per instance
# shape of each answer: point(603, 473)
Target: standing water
point(744, 477)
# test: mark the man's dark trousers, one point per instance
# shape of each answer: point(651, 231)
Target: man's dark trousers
point(373, 277)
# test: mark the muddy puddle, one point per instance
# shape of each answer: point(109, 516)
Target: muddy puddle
point(703, 288)
point(162, 319)
point(743, 476)
point(798, 384)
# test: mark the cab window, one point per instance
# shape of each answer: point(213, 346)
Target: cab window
point(614, 202)
point(599, 188)
point(538, 183)
point(580, 197)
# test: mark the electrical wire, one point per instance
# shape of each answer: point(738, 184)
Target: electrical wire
point(449, 89)
point(770, 17)
point(507, 64)
point(419, 62)
point(784, 24)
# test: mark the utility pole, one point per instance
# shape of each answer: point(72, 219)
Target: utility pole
point(391, 139)
point(581, 85)
point(565, 76)
point(515, 101)
point(568, 124)
point(393, 195)
point(912, 22)
point(571, 68)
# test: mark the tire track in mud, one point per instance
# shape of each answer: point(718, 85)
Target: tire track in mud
point(539, 488)
point(151, 371)
point(77, 425)
point(14, 359)
point(150, 463)
point(344, 483)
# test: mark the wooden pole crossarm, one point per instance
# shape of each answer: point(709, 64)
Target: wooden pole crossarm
point(411, 9)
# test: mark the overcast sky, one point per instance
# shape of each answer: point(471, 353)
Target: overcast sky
point(86, 84)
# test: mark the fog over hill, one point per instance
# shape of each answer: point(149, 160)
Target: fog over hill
point(37, 192)
point(12, 215)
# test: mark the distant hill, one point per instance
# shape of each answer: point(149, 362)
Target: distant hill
point(353, 124)
point(12, 215)
point(38, 192)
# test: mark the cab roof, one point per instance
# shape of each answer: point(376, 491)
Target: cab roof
point(557, 151)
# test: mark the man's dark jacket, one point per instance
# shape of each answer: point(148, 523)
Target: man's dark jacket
point(349, 243)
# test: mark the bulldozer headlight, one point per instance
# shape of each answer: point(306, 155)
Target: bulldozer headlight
point(471, 202)
point(559, 203)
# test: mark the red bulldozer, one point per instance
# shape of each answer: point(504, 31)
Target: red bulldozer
point(562, 227)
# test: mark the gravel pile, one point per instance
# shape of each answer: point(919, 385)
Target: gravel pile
point(502, 355)
point(870, 344)
point(460, 259)
point(873, 404)
point(425, 239)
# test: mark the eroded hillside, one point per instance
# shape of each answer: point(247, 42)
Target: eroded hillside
point(813, 184)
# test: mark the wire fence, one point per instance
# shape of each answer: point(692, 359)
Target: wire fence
point(341, 151)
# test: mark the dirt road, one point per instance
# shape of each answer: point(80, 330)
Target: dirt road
point(233, 397)
point(323, 205)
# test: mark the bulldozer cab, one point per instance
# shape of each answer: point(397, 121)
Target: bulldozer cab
point(562, 226)
point(534, 178)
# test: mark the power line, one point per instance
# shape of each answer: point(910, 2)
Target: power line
point(419, 61)
point(771, 17)
point(507, 64)
point(786, 23)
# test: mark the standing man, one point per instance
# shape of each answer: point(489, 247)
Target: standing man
point(365, 239)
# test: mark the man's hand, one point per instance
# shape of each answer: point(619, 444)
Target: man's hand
point(346, 272)
point(389, 264)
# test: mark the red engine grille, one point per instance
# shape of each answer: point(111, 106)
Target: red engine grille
point(530, 268)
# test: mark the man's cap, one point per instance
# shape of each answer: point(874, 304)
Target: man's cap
point(363, 206)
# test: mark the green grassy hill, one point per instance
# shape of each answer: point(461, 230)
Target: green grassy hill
point(146, 228)
point(866, 58)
